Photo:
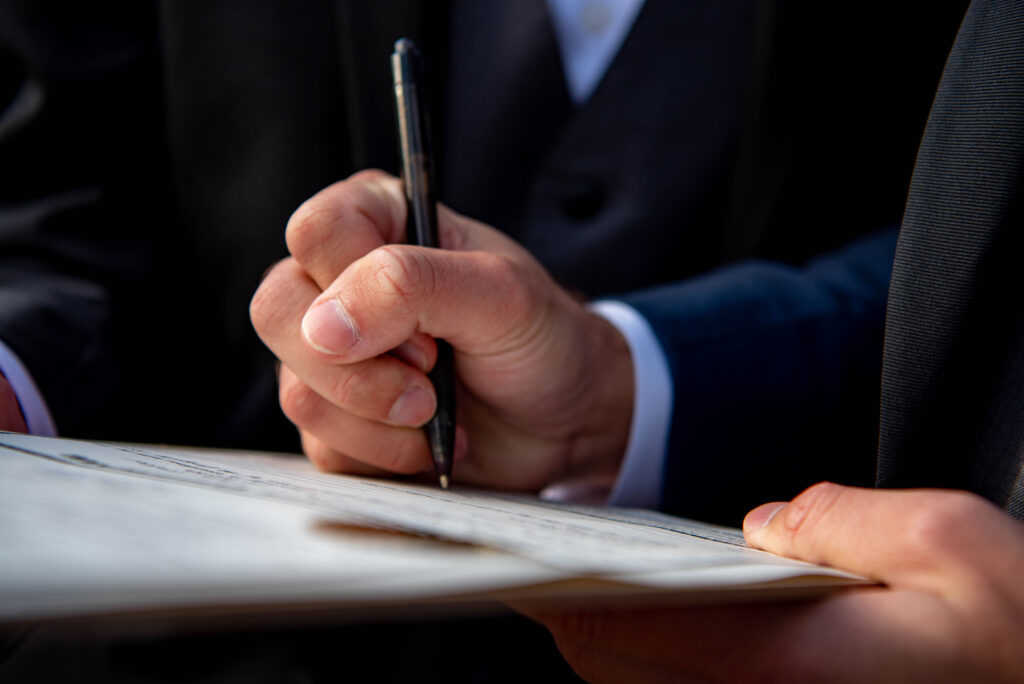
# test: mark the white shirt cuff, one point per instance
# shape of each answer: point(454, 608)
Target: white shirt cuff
point(33, 406)
point(640, 476)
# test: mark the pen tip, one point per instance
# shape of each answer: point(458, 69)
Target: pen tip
point(443, 479)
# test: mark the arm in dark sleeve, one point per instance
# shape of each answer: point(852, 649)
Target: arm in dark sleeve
point(776, 373)
point(80, 201)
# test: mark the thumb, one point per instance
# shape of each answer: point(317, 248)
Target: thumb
point(479, 301)
point(888, 535)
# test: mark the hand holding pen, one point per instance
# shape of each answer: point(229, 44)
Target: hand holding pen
point(356, 319)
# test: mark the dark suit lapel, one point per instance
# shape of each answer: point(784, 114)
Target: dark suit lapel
point(953, 381)
point(366, 34)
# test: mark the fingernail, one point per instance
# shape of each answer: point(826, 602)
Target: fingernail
point(329, 329)
point(761, 516)
point(413, 408)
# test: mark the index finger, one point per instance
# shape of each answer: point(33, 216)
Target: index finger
point(344, 222)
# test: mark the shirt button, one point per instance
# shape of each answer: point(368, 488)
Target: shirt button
point(582, 199)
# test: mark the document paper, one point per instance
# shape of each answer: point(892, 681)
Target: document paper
point(90, 529)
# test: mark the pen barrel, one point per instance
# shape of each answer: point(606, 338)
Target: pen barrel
point(414, 138)
point(418, 177)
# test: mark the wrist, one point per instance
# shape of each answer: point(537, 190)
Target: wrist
point(606, 406)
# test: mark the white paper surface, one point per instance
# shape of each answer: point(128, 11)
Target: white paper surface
point(87, 528)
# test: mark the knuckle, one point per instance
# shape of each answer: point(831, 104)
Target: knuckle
point(406, 458)
point(371, 176)
point(325, 456)
point(311, 447)
point(320, 221)
point(350, 385)
point(942, 526)
point(309, 227)
point(514, 282)
point(297, 400)
point(259, 307)
point(265, 310)
point(320, 455)
point(809, 510)
point(506, 273)
point(402, 277)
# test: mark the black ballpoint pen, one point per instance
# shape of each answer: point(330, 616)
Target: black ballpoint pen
point(419, 178)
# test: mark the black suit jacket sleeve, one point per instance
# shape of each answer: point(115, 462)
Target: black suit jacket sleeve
point(79, 219)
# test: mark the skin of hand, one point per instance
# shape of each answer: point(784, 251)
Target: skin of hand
point(544, 387)
point(951, 608)
point(11, 418)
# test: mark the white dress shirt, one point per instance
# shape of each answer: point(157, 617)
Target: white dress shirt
point(590, 33)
